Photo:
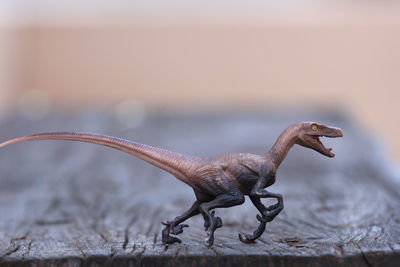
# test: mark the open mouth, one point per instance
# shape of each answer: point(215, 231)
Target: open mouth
point(319, 146)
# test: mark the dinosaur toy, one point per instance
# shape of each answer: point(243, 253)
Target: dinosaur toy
point(219, 182)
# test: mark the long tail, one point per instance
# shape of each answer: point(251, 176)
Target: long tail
point(177, 164)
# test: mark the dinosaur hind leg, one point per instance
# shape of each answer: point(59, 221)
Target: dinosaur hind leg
point(174, 227)
point(201, 197)
point(227, 200)
point(267, 215)
point(247, 238)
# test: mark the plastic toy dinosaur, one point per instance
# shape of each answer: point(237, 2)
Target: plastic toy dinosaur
point(219, 182)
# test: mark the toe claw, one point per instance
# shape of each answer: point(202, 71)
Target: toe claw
point(245, 238)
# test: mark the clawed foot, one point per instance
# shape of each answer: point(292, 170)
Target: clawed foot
point(266, 216)
point(172, 229)
point(215, 223)
point(218, 222)
point(246, 238)
point(175, 229)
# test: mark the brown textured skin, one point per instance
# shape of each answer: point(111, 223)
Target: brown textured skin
point(217, 182)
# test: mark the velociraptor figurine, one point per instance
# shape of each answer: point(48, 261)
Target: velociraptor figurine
point(219, 182)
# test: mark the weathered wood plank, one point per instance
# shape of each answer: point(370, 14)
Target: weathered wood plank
point(81, 204)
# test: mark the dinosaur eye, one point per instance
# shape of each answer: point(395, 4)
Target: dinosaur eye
point(314, 127)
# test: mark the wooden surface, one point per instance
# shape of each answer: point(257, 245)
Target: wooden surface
point(80, 204)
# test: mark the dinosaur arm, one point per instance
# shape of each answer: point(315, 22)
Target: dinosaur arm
point(259, 191)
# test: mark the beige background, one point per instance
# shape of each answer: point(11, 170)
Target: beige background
point(317, 55)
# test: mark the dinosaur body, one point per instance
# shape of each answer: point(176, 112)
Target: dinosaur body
point(241, 170)
point(218, 182)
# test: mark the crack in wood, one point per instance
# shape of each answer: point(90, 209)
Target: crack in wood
point(140, 254)
point(155, 239)
point(27, 251)
point(364, 257)
point(13, 248)
point(126, 231)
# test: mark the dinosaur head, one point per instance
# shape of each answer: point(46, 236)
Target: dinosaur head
point(310, 132)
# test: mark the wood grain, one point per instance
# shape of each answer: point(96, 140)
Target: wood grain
point(75, 204)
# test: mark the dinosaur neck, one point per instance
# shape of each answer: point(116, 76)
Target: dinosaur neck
point(282, 146)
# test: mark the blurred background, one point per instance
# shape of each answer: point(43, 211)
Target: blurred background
point(141, 55)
